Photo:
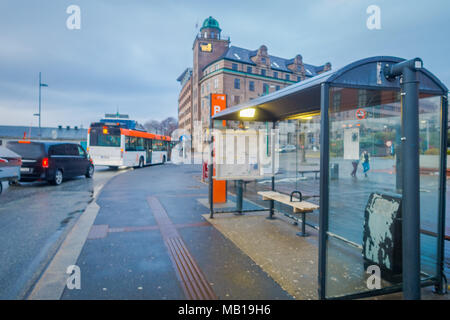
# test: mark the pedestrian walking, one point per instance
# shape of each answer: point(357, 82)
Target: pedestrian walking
point(365, 159)
point(355, 167)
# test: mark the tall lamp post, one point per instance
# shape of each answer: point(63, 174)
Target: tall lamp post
point(39, 114)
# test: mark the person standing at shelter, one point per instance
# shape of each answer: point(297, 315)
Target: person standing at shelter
point(355, 167)
point(365, 159)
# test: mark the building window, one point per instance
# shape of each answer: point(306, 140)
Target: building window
point(216, 83)
point(263, 60)
point(237, 83)
point(212, 34)
point(277, 88)
point(207, 87)
point(263, 72)
point(298, 78)
point(251, 86)
point(336, 101)
point(237, 99)
point(265, 88)
point(234, 66)
point(288, 77)
point(206, 35)
point(275, 74)
point(203, 89)
point(249, 69)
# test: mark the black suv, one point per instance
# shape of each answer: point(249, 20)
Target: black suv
point(51, 161)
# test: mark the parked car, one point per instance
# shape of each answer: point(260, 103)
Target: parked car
point(52, 161)
point(287, 148)
point(10, 163)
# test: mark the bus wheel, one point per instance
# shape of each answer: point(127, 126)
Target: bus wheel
point(141, 162)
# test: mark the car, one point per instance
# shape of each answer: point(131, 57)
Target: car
point(286, 148)
point(10, 163)
point(52, 161)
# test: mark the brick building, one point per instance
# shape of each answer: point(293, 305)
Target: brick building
point(241, 74)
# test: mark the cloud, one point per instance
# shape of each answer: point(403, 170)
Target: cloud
point(128, 54)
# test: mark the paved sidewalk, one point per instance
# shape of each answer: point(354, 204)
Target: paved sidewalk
point(150, 241)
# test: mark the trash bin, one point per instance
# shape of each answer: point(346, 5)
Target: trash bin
point(334, 171)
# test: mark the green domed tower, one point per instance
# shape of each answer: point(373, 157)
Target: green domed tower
point(210, 28)
point(209, 46)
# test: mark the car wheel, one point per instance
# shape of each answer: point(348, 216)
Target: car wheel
point(90, 172)
point(58, 179)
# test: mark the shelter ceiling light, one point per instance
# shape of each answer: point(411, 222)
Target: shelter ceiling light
point(247, 113)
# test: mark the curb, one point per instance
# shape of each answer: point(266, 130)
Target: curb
point(51, 284)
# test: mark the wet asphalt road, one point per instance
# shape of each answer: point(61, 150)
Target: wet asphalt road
point(132, 260)
point(34, 220)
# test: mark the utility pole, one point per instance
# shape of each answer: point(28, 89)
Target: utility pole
point(39, 114)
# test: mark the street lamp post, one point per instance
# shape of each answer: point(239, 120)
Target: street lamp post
point(39, 114)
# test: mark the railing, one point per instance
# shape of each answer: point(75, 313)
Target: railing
point(216, 36)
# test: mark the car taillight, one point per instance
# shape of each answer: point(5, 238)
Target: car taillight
point(45, 163)
point(3, 160)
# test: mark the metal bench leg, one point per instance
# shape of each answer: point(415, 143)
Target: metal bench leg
point(239, 197)
point(272, 202)
point(303, 232)
point(271, 210)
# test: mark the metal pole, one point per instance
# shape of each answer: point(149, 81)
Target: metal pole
point(272, 202)
point(40, 84)
point(411, 179)
point(411, 185)
point(239, 196)
point(324, 192)
point(210, 165)
point(441, 287)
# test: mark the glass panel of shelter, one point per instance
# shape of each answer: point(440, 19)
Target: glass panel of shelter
point(364, 218)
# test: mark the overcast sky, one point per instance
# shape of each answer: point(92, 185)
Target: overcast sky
point(128, 54)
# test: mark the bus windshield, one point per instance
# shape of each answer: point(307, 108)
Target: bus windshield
point(99, 139)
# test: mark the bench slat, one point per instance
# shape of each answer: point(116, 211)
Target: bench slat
point(303, 206)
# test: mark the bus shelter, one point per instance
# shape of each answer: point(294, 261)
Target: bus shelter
point(368, 145)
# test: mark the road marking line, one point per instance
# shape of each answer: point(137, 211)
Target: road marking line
point(52, 283)
point(193, 281)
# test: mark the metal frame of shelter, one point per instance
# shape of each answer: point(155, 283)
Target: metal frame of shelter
point(409, 78)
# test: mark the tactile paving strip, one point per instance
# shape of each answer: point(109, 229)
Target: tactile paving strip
point(192, 279)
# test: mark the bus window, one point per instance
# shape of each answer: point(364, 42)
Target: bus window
point(130, 144)
point(140, 144)
point(97, 138)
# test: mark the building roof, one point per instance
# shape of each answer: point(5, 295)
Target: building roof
point(17, 132)
point(243, 55)
point(210, 22)
point(305, 96)
point(185, 76)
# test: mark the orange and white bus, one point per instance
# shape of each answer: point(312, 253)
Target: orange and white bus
point(117, 146)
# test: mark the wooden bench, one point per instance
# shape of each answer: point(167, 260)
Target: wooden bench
point(302, 207)
point(302, 172)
